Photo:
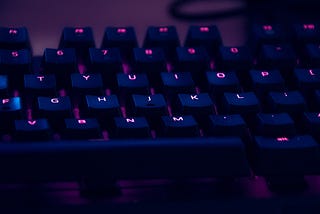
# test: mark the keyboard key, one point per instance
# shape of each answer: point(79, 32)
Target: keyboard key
point(277, 57)
point(220, 82)
point(241, 103)
point(180, 126)
point(40, 85)
point(79, 38)
point(123, 38)
point(32, 130)
point(197, 105)
point(266, 34)
point(87, 128)
point(107, 62)
point(311, 56)
point(86, 84)
point(102, 107)
point(187, 157)
point(264, 81)
point(283, 156)
point(55, 109)
point(227, 125)
point(192, 59)
point(311, 121)
point(165, 37)
point(132, 84)
point(175, 83)
point(149, 106)
point(135, 127)
point(307, 79)
point(205, 36)
point(150, 61)
point(10, 109)
point(15, 62)
point(234, 58)
point(4, 85)
point(61, 62)
point(275, 125)
point(307, 33)
point(14, 38)
point(291, 102)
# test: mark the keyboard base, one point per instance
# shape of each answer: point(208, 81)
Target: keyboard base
point(250, 195)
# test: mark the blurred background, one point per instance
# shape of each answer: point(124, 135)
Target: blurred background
point(46, 19)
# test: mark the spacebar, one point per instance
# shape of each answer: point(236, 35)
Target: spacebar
point(124, 159)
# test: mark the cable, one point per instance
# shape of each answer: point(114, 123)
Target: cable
point(175, 10)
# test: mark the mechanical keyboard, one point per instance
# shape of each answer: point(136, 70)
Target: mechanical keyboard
point(164, 113)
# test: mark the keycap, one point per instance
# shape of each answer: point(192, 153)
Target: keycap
point(284, 156)
point(192, 59)
point(174, 83)
point(275, 125)
point(264, 81)
point(206, 36)
point(14, 38)
point(86, 84)
point(15, 62)
point(198, 105)
point(84, 128)
point(311, 120)
point(32, 130)
point(40, 85)
point(107, 62)
point(266, 34)
point(4, 85)
point(220, 82)
point(241, 103)
point(134, 127)
point(234, 58)
point(280, 56)
point(307, 79)
point(10, 109)
point(188, 157)
point(150, 61)
point(79, 38)
point(104, 108)
point(165, 37)
point(61, 62)
point(311, 56)
point(129, 84)
point(306, 32)
point(180, 126)
point(123, 38)
point(291, 102)
point(55, 109)
point(227, 125)
point(150, 106)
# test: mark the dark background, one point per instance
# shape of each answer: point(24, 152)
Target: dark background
point(46, 19)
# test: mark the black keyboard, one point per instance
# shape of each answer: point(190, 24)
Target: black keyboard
point(112, 115)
